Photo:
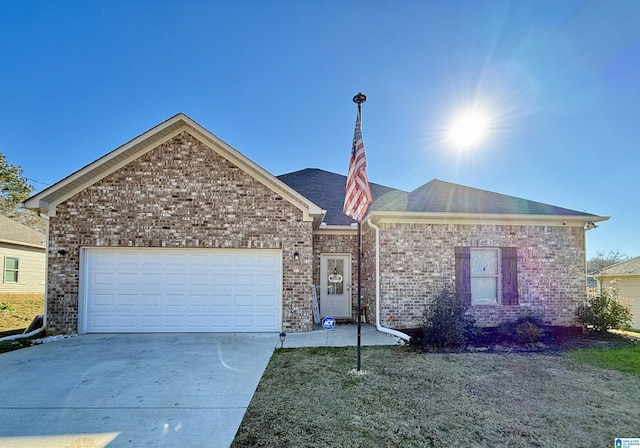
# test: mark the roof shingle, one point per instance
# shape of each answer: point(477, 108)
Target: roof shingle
point(629, 267)
point(14, 232)
point(327, 190)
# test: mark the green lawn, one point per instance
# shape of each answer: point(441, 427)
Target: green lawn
point(312, 398)
point(622, 359)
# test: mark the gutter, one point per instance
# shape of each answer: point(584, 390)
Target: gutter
point(379, 327)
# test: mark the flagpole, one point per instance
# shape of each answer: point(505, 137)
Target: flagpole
point(359, 99)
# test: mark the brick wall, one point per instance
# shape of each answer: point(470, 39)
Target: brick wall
point(418, 260)
point(180, 194)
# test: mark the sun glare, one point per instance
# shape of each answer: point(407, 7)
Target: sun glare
point(468, 129)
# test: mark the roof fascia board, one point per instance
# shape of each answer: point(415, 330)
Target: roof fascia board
point(614, 276)
point(18, 243)
point(484, 218)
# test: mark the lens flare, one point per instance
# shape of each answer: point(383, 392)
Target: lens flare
point(468, 129)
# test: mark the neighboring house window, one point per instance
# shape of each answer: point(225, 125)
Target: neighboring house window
point(10, 270)
point(487, 275)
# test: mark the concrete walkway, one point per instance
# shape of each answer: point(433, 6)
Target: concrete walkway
point(343, 335)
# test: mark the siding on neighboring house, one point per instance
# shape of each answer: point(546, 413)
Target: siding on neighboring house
point(179, 194)
point(418, 260)
point(31, 269)
point(629, 289)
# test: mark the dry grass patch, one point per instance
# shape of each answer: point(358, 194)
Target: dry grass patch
point(21, 310)
point(308, 398)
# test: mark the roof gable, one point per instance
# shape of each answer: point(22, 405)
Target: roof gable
point(48, 199)
point(12, 232)
point(629, 267)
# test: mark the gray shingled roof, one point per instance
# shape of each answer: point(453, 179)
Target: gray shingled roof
point(14, 232)
point(438, 196)
point(629, 267)
point(327, 190)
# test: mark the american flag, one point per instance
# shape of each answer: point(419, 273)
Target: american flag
point(358, 195)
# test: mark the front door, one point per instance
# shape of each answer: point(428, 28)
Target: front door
point(335, 286)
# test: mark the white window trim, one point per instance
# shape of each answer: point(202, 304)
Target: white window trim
point(498, 277)
point(6, 269)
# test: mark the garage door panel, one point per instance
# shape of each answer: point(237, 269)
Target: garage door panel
point(151, 290)
point(244, 280)
point(150, 322)
point(267, 300)
point(102, 300)
point(175, 300)
point(221, 260)
point(265, 321)
point(243, 300)
point(126, 300)
point(127, 279)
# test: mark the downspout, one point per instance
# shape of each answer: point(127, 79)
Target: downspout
point(46, 271)
point(379, 327)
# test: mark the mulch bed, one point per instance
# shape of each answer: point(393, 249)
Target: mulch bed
point(492, 340)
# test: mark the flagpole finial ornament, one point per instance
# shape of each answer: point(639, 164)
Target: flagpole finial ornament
point(359, 98)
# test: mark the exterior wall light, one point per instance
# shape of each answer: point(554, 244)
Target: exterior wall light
point(296, 256)
point(589, 225)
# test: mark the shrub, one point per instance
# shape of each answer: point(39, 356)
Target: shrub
point(6, 306)
point(604, 311)
point(524, 330)
point(446, 325)
point(528, 332)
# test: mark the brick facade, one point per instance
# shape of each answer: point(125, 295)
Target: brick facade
point(179, 194)
point(418, 260)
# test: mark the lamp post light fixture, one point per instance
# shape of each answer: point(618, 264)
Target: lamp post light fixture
point(282, 336)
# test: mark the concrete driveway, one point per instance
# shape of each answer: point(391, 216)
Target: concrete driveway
point(131, 390)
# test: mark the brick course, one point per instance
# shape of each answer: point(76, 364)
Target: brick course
point(179, 194)
point(418, 260)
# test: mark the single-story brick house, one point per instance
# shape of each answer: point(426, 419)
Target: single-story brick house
point(178, 231)
point(628, 275)
point(22, 259)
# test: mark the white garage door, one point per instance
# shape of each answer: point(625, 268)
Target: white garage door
point(131, 290)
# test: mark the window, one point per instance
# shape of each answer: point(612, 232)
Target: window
point(487, 275)
point(484, 276)
point(10, 270)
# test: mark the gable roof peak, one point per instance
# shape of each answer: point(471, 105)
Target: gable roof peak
point(48, 199)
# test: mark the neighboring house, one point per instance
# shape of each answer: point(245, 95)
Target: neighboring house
point(628, 274)
point(178, 231)
point(22, 258)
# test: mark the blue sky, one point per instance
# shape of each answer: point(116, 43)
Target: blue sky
point(558, 80)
